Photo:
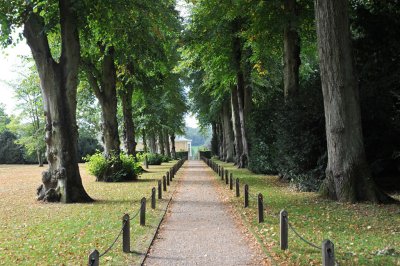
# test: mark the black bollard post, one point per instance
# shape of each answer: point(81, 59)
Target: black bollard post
point(167, 181)
point(164, 183)
point(231, 181)
point(260, 208)
point(143, 211)
point(237, 188)
point(284, 229)
point(153, 198)
point(159, 189)
point(222, 173)
point(226, 177)
point(94, 258)
point(328, 253)
point(126, 235)
point(246, 196)
point(167, 175)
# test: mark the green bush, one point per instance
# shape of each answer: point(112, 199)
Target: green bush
point(114, 169)
point(165, 158)
point(289, 137)
point(154, 158)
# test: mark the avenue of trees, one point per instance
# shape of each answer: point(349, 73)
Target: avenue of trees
point(118, 55)
point(309, 91)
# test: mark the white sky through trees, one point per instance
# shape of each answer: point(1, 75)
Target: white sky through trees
point(11, 66)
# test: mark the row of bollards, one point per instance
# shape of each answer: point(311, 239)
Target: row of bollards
point(328, 254)
point(94, 256)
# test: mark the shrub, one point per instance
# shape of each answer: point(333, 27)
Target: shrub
point(289, 137)
point(165, 158)
point(114, 169)
point(154, 158)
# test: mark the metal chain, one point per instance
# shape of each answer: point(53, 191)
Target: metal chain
point(304, 240)
point(136, 214)
point(111, 246)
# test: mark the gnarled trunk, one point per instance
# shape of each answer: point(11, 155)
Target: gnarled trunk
point(348, 177)
point(161, 141)
point(62, 181)
point(129, 128)
point(291, 51)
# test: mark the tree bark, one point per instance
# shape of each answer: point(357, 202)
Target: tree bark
point(62, 181)
point(39, 157)
point(348, 177)
point(161, 141)
point(166, 144)
point(228, 134)
point(153, 142)
point(173, 150)
point(145, 148)
point(129, 127)
point(214, 139)
point(103, 84)
point(236, 126)
point(291, 50)
point(237, 48)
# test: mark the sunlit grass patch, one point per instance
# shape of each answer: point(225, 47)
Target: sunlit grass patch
point(359, 231)
point(35, 233)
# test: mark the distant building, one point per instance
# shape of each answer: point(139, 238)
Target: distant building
point(181, 144)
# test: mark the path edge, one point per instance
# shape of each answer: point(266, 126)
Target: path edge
point(159, 224)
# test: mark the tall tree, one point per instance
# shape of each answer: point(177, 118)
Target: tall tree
point(59, 80)
point(29, 123)
point(348, 177)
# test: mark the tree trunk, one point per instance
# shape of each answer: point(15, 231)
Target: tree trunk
point(348, 177)
point(62, 181)
point(236, 126)
point(153, 142)
point(129, 128)
point(104, 87)
point(291, 50)
point(39, 157)
point(220, 140)
point(161, 142)
point(166, 144)
point(145, 148)
point(237, 48)
point(222, 137)
point(214, 140)
point(173, 151)
point(228, 134)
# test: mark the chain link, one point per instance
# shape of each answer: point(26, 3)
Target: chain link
point(303, 239)
point(115, 241)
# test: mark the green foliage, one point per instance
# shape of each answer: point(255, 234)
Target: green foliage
point(166, 158)
point(87, 146)
point(376, 27)
point(113, 169)
point(29, 123)
point(154, 158)
point(10, 152)
point(289, 138)
point(4, 119)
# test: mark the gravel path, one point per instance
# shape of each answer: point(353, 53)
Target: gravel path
point(199, 229)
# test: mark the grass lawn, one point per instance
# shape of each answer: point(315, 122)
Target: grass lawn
point(36, 233)
point(358, 231)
